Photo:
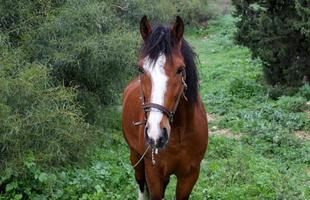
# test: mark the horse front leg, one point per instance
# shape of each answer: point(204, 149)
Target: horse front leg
point(155, 181)
point(185, 184)
point(139, 173)
point(166, 182)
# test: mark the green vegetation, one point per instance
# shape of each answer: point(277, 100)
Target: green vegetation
point(278, 32)
point(264, 159)
point(60, 140)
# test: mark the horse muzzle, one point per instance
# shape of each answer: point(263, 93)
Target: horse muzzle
point(158, 142)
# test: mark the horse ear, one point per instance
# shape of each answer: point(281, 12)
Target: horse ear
point(145, 27)
point(178, 28)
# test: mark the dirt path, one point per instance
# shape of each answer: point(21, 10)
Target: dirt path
point(214, 130)
point(225, 6)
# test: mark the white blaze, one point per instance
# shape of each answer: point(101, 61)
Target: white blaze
point(159, 80)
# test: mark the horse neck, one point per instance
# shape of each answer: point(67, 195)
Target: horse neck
point(184, 114)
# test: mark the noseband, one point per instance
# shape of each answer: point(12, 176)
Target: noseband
point(169, 113)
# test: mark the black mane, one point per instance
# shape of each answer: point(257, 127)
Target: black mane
point(161, 41)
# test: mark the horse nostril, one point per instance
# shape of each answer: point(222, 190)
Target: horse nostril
point(165, 134)
point(149, 140)
point(146, 135)
point(145, 131)
point(162, 141)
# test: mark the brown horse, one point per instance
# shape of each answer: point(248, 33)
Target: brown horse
point(164, 121)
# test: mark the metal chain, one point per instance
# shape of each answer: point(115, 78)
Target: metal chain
point(141, 157)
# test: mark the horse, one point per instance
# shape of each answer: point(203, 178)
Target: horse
point(163, 118)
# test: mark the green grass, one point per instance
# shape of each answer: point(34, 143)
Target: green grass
point(267, 162)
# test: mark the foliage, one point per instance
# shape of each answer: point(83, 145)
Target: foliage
point(101, 180)
point(278, 33)
point(18, 17)
point(304, 91)
point(38, 117)
point(83, 46)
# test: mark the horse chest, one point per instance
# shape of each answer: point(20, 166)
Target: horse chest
point(180, 156)
point(177, 163)
point(183, 141)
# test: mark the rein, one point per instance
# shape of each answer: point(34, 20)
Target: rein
point(143, 155)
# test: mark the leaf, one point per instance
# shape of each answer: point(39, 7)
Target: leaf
point(98, 189)
point(11, 186)
point(256, 7)
point(18, 196)
point(43, 177)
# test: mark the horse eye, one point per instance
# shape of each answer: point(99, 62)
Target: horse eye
point(141, 70)
point(180, 70)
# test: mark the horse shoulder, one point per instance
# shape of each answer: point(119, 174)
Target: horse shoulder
point(201, 124)
point(130, 89)
point(132, 112)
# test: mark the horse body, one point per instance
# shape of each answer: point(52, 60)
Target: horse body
point(184, 150)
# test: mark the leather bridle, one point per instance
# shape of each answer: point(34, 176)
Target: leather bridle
point(169, 113)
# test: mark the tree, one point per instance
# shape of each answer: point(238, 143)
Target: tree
point(278, 32)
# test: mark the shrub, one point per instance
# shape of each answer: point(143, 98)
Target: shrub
point(103, 178)
point(244, 88)
point(305, 91)
point(292, 104)
point(39, 118)
point(86, 48)
point(276, 91)
point(88, 43)
point(92, 45)
point(20, 16)
point(278, 33)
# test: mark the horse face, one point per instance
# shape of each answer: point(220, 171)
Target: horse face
point(161, 82)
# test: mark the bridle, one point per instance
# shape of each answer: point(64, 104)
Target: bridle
point(169, 113)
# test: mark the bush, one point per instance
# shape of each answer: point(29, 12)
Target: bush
point(20, 16)
point(305, 91)
point(278, 33)
point(244, 88)
point(292, 104)
point(102, 179)
point(86, 48)
point(38, 118)
point(89, 43)
point(276, 91)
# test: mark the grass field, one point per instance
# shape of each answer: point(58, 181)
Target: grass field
point(259, 147)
